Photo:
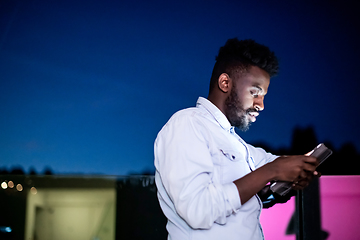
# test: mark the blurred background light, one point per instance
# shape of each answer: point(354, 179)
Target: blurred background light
point(19, 187)
point(5, 229)
point(33, 190)
point(11, 184)
point(4, 185)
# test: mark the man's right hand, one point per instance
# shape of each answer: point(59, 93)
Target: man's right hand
point(296, 169)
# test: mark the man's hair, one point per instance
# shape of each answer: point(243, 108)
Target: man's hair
point(240, 55)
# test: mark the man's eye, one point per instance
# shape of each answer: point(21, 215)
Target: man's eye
point(254, 93)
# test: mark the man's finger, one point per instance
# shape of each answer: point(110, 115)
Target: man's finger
point(309, 159)
point(309, 167)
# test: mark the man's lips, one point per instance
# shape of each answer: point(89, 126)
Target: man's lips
point(253, 116)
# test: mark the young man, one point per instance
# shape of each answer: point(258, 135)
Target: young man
point(207, 176)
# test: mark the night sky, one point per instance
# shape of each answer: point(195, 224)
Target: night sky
point(86, 85)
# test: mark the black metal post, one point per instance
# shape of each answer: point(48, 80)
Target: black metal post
point(308, 218)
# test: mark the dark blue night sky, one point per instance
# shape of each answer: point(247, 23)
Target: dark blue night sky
point(86, 85)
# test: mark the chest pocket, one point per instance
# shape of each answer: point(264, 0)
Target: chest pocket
point(232, 165)
point(231, 155)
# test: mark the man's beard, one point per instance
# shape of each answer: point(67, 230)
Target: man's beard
point(235, 112)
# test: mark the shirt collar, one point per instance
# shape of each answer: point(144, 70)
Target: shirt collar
point(215, 112)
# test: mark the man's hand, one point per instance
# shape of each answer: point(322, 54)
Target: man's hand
point(296, 169)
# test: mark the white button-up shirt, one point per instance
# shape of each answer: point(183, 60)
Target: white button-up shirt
point(198, 155)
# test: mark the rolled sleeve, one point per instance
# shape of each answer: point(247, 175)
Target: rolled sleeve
point(233, 196)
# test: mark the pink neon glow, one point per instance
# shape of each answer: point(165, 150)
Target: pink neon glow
point(340, 211)
point(340, 206)
point(275, 220)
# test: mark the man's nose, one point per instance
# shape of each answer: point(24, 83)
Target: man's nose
point(259, 103)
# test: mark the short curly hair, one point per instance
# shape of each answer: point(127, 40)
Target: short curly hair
point(241, 54)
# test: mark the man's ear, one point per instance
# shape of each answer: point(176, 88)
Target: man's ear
point(224, 82)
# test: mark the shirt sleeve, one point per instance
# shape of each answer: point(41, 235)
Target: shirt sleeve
point(184, 161)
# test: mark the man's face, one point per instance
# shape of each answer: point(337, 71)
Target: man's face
point(246, 97)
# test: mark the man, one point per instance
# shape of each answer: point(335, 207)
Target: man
point(207, 176)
